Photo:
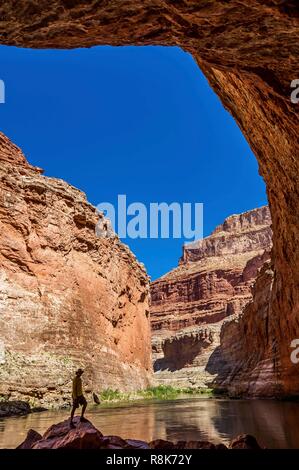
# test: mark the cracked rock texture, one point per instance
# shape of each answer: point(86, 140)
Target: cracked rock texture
point(249, 52)
point(190, 304)
point(67, 297)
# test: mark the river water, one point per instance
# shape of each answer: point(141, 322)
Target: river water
point(275, 424)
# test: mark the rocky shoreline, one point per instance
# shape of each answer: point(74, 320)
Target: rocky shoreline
point(10, 408)
point(17, 408)
point(86, 436)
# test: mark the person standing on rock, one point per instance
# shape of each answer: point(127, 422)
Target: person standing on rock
point(78, 397)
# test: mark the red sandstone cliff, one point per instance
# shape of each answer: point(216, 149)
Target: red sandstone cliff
point(212, 283)
point(67, 297)
point(245, 338)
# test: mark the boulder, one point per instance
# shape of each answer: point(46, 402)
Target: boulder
point(195, 445)
point(85, 436)
point(14, 408)
point(116, 442)
point(245, 441)
point(61, 436)
point(31, 438)
point(168, 445)
point(161, 444)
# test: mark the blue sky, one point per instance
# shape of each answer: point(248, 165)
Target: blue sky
point(140, 121)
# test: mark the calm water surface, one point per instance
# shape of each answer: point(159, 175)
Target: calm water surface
point(275, 424)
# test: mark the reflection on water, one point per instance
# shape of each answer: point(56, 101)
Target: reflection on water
point(273, 423)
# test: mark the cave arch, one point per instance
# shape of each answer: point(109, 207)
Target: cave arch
point(249, 53)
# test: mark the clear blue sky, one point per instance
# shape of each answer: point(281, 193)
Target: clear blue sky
point(140, 121)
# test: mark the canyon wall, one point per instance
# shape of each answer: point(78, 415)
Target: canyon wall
point(236, 357)
point(67, 297)
point(249, 53)
point(211, 285)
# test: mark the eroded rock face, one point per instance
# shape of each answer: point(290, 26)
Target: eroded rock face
point(190, 304)
point(249, 53)
point(237, 235)
point(67, 297)
point(239, 351)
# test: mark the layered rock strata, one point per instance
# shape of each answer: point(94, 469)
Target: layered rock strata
point(212, 283)
point(68, 298)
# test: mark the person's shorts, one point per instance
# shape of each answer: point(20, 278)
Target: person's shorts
point(79, 401)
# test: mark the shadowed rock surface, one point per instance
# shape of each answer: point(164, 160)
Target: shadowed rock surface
point(32, 438)
point(244, 441)
point(211, 285)
point(237, 357)
point(14, 408)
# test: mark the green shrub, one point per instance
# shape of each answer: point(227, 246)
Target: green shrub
point(112, 395)
point(160, 392)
